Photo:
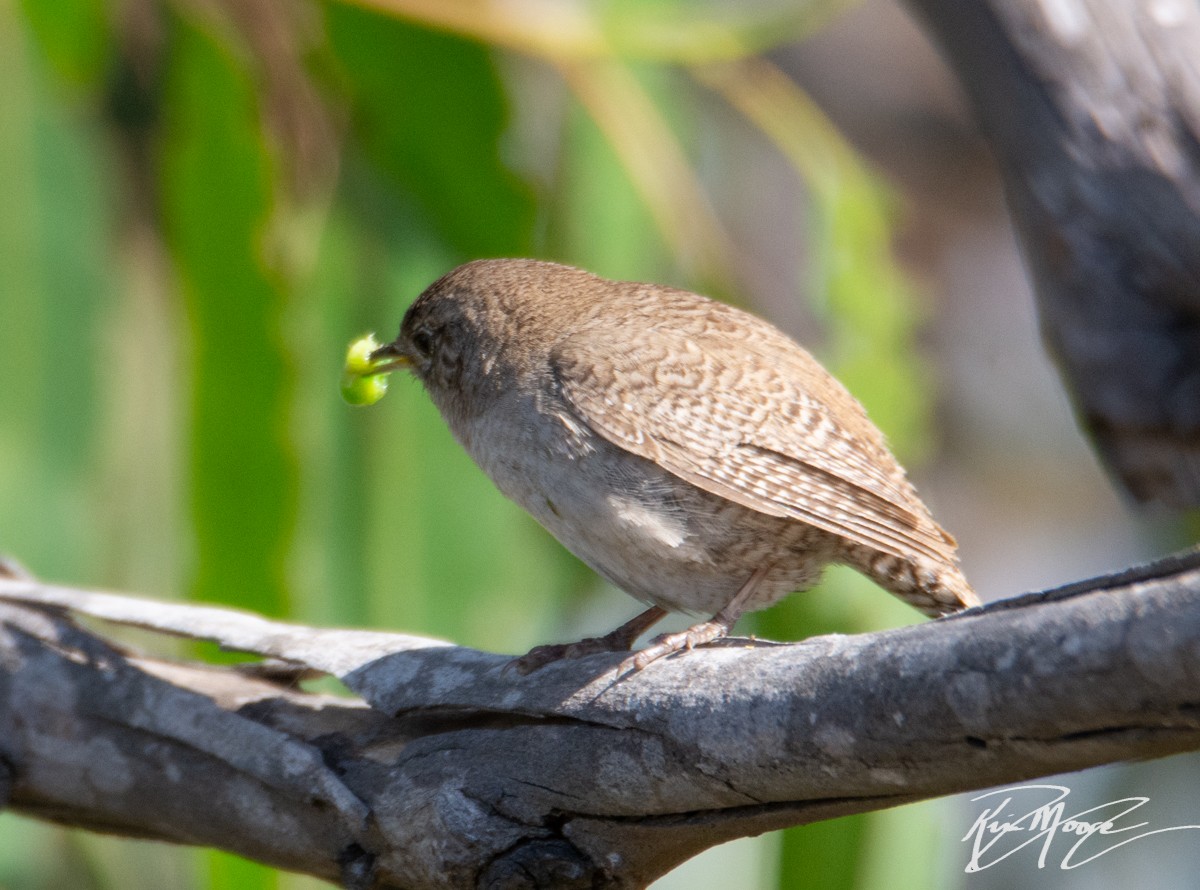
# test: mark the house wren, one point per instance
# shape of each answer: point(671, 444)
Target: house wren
point(689, 452)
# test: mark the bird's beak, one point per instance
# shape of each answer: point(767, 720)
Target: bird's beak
point(390, 357)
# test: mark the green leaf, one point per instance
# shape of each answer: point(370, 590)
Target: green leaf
point(872, 312)
point(706, 30)
point(599, 221)
point(672, 31)
point(75, 36)
point(218, 189)
point(56, 219)
point(430, 112)
point(823, 856)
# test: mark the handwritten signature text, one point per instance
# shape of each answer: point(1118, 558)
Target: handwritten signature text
point(1035, 816)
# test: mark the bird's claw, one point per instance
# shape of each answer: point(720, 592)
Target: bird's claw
point(669, 644)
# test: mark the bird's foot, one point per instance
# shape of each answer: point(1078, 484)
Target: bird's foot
point(619, 640)
point(540, 656)
point(668, 644)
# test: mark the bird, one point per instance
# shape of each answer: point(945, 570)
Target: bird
point(688, 451)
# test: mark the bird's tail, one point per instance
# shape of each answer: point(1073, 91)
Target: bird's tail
point(935, 588)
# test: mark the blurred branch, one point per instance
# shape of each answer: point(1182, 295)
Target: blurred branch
point(1093, 111)
point(454, 772)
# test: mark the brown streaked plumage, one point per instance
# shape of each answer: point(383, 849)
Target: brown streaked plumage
point(688, 451)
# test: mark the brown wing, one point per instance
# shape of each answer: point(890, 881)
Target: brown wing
point(771, 431)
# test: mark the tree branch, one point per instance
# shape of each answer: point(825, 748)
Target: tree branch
point(452, 771)
point(1093, 111)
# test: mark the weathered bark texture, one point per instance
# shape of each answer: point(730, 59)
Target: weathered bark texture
point(453, 772)
point(1092, 108)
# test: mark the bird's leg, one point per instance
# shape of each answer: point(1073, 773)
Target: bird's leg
point(698, 634)
point(618, 640)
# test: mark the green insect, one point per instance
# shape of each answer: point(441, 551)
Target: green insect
point(364, 380)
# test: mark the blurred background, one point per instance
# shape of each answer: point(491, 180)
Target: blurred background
point(203, 201)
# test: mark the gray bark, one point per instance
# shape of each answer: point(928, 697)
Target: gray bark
point(1092, 108)
point(450, 771)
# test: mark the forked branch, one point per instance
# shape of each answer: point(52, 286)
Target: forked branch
point(451, 771)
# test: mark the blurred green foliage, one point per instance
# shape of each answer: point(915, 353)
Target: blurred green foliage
point(203, 204)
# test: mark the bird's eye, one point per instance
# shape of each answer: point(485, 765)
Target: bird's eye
point(422, 341)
